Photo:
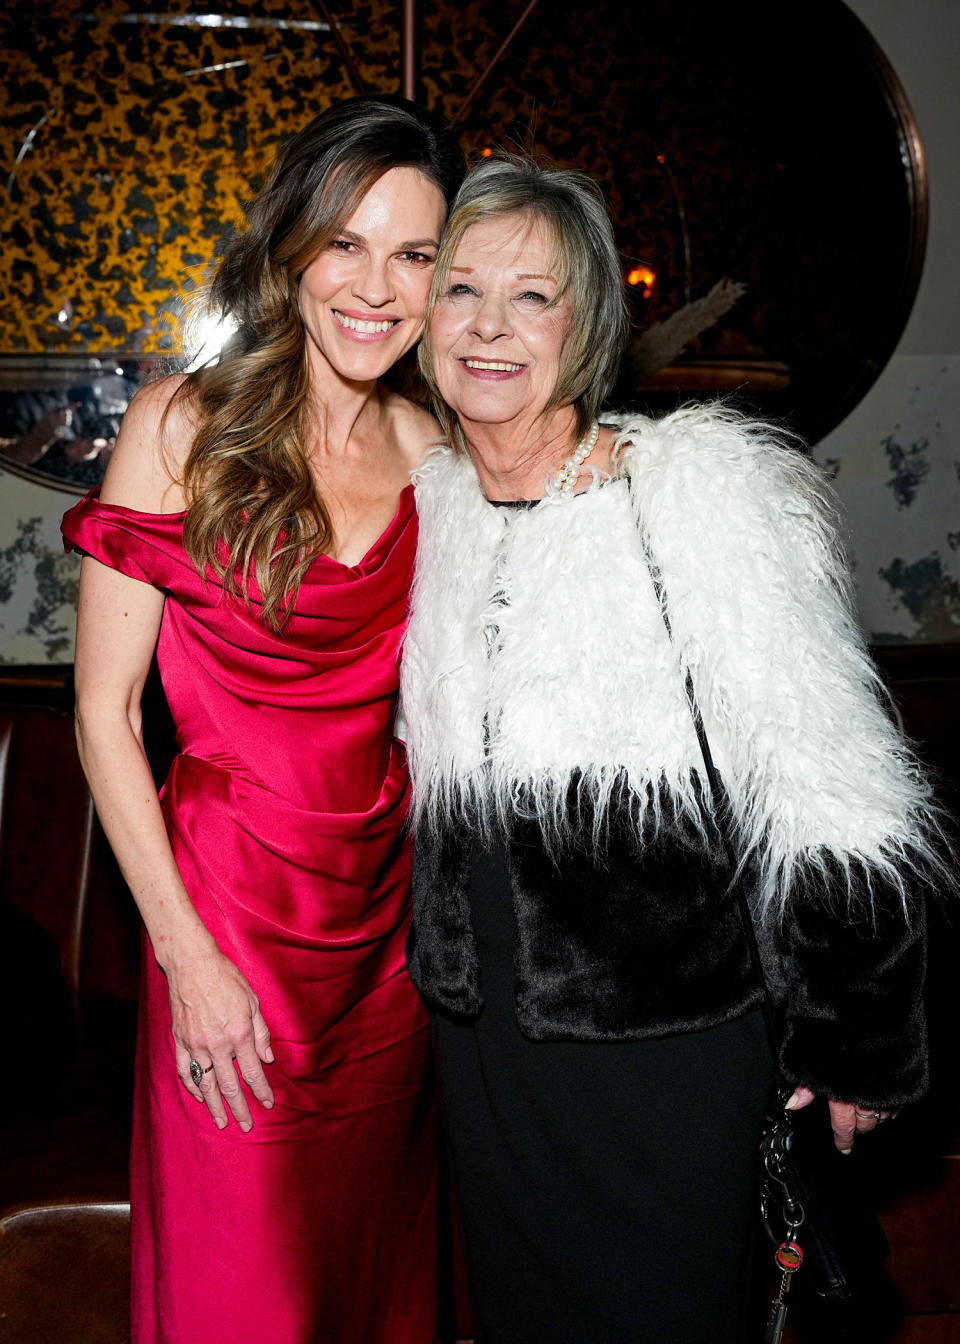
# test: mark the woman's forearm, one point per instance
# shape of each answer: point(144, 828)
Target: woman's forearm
point(126, 800)
point(215, 1015)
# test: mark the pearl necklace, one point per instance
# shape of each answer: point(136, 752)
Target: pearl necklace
point(568, 475)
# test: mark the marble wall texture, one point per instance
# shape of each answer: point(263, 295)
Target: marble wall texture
point(896, 458)
point(895, 464)
point(895, 461)
point(38, 582)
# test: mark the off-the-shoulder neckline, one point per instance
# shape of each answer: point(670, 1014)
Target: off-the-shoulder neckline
point(94, 498)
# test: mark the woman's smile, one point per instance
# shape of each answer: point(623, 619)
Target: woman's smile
point(491, 368)
point(365, 327)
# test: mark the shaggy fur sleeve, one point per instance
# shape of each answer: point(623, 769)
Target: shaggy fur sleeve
point(831, 811)
point(854, 1026)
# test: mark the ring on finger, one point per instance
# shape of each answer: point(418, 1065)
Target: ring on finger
point(197, 1071)
point(868, 1115)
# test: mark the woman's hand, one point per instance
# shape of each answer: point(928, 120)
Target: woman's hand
point(846, 1119)
point(216, 1019)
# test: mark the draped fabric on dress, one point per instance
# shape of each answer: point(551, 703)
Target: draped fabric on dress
point(285, 810)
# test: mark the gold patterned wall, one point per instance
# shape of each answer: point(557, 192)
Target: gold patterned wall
point(129, 140)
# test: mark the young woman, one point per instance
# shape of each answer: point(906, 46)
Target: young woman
point(256, 527)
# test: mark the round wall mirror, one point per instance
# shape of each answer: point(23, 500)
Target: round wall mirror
point(779, 155)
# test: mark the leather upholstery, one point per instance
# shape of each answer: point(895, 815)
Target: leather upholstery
point(64, 1274)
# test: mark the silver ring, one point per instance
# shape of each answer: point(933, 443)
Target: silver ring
point(867, 1115)
point(196, 1071)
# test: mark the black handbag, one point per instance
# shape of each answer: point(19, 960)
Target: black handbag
point(811, 1208)
point(810, 1198)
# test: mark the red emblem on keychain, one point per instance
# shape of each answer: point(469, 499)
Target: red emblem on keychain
point(789, 1256)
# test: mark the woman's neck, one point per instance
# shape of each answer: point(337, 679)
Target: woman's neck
point(345, 413)
point(514, 460)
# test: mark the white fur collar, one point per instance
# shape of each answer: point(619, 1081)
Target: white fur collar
point(583, 677)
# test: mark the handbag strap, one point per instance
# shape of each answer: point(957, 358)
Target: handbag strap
point(721, 810)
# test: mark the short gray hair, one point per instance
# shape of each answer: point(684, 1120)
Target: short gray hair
point(587, 267)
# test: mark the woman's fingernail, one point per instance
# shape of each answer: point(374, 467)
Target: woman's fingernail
point(221, 1123)
point(793, 1103)
point(846, 1151)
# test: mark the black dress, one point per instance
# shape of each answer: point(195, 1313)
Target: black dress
point(598, 1180)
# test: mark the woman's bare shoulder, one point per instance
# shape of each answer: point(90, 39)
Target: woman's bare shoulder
point(146, 468)
point(413, 429)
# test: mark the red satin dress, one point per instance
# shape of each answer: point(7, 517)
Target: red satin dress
point(285, 810)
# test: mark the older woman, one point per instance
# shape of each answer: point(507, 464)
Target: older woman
point(602, 1057)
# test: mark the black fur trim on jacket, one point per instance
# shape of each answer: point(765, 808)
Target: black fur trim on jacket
point(639, 938)
point(855, 1026)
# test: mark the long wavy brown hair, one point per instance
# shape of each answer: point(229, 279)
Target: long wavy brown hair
point(252, 506)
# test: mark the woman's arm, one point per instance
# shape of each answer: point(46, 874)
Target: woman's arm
point(833, 814)
point(215, 1014)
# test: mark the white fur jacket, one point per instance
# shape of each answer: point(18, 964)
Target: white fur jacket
point(545, 701)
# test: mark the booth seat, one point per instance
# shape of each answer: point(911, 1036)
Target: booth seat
point(69, 953)
point(65, 1274)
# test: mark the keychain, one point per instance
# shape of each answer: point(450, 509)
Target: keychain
point(789, 1255)
point(789, 1258)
